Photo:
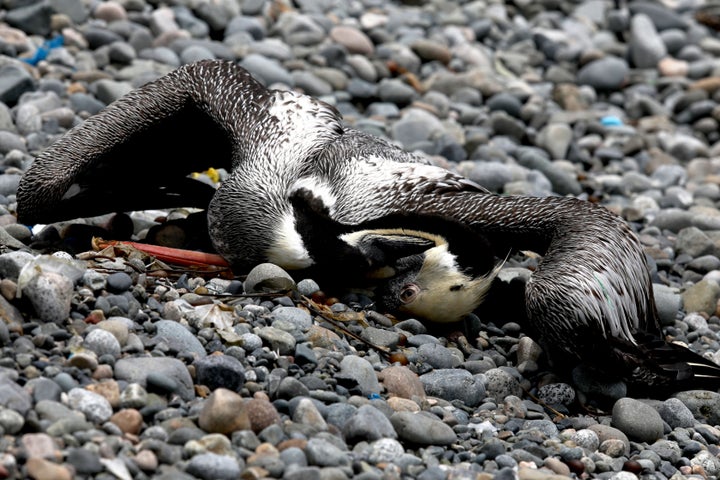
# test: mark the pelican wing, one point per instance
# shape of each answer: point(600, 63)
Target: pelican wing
point(138, 152)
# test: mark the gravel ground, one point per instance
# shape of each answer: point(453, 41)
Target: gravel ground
point(116, 367)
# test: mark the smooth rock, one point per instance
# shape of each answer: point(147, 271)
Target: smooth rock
point(704, 405)
point(438, 356)
point(279, 340)
point(676, 414)
point(637, 420)
point(261, 414)
point(420, 429)
point(223, 412)
point(216, 371)
point(13, 396)
point(646, 46)
point(501, 384)
point(353, 39)
point(607, 74)
point(179, 338)
point(95, 407)
point(325, 454)
point(85, 462)
point(402, 382)
point(451, 384)
point(210, 466)
point(361, 372)
point(102, 342)
point(51, 295)
point(701, 297)
point(41, 469)
point(368, 424)
point(128, 420)
point(137, 369)
point(268, 277)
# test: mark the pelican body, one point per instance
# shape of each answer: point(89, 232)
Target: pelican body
point(590, 297)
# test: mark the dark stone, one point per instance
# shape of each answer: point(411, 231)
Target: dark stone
point(216, 371)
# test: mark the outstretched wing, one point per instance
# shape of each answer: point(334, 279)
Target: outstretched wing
point(138, 152)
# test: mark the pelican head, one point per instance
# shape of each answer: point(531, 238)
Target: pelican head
point(433, 286)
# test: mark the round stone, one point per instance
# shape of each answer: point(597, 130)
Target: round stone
point(224, 412)
point(638, 420)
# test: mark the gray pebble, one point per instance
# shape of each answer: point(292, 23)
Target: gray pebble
point(136, 370)
point(179, 338)
point(557, 394)
point(701, 297)
point(703, 404)
point(250, 342)
point(290, 388)
point(267, 277)
point(94, 280)
point(102, 342)
point(306, 413)
point(95, 407)
point(9, 184)
point(325, 454)
point(267, 70)
point(450, 384)
point(307, 287)
point(11, 264)
point(667, 450)
point(555, 138)
point(672, 219)
point(362, 372)
point(119, 282)
point(291, 319)
point(85, 461)
point(608, 73)
point(18, 232)
point(14, 81)
point(368, 424)
point(44, 389)
point(217, 371)
point(11, 421)
point(637, 420)
point(279, 340)
point(211, 466)
point(694, 242)
point(195, 53)
point(107, 91)
point(586, 439)
point(384, 450)
point(646, 46)
point(661, 16)
point(500, 384)
point(133, 396)
point(121, 52)
point(437, 356)
point(82, 102)
point(506, 102)
point(562, 181)
point(668, 302)
point(422, 429)
point(395, 91)
point(415, 126)
point(51, 295)
point(381, 337)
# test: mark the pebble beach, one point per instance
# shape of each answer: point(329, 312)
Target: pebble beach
point(115, 366)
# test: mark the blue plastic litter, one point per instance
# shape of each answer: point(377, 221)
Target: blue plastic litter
point(374, 396)
point(43, 50)
point(611, 121)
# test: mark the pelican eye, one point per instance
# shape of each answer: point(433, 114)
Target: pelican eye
point(409, 293)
